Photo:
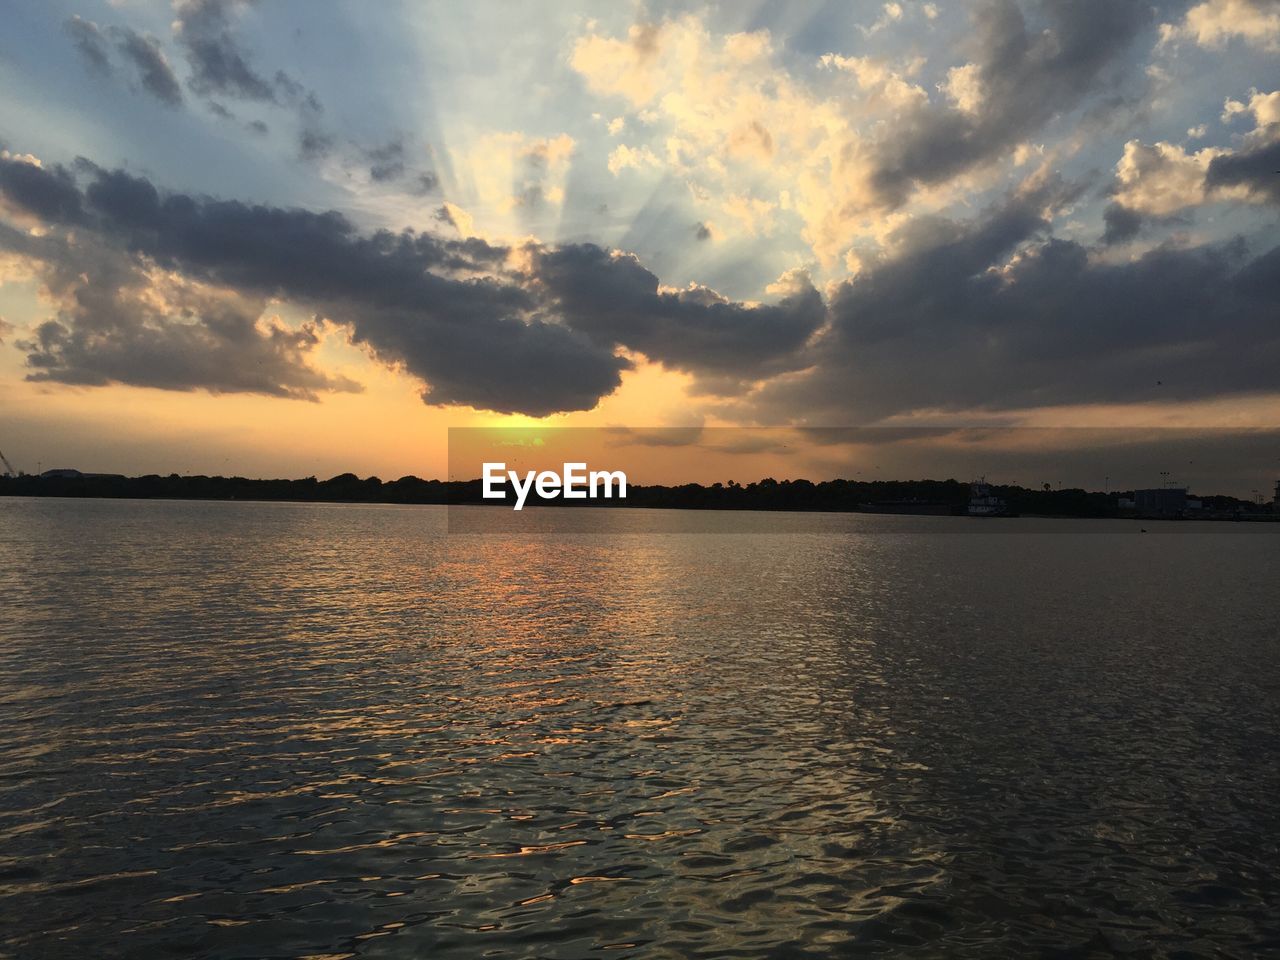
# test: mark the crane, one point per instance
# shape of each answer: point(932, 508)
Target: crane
point(8, 467)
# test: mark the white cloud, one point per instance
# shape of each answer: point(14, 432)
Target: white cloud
point(1163, 178)
point(1264, 108)
point(510, 171)
point(752, 215)
point(963, 87)
point(890, 13)
point(1214, 23)
point(881, 84)
point(624, 157)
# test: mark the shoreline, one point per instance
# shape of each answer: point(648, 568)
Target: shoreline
point(109, 489)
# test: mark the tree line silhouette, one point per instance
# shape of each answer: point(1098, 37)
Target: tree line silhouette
point(869, 496)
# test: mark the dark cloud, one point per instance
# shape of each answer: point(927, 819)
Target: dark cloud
point(118, 323)
point(444, 215)
point(1121, 224)
point(49, 193)
point(142, 51)
point(90, 42)
point(493, 361)
point(154, 72)
point(218, 65)
point(314, 144)
point(702, 232)
point(448, 310)
point(387, 161)
point(997, 314)
point(221, 67)
point(442, 309)
point(613, 299)
point(1029, 72)
point(1256, 169)
point(990, 313)
point(112, 337)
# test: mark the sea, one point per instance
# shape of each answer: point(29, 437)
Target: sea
point(282, 730)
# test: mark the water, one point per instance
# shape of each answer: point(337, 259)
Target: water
point(291, 730)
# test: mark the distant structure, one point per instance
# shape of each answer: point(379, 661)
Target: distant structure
point(1276, 498)
point(1162, 503)
point(66, 473)
point(983, 501)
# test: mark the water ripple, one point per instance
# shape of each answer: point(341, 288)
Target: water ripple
point(246, 730)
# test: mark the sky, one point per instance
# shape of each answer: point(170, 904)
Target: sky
point(286, 239)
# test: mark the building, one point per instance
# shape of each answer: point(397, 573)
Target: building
point(1165, 502)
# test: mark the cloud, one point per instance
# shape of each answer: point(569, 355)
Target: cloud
point(46, 193)
point(457, 218)
point(1122, 223)
point(156, 331)
point(141, 51)
point(878, 82)
point(534, 329)
point(721, 114)
point(613, 299)
point(1251, 171)
point(851, 150)
point(218, 65)
point(1162, 179)
point(963, 87)
point(1255, 171)
point(314, 144)
point(386, 162)
point(90, 43)
point(1215, 23)
point(1020, 78)
point(442, 309)
point(120, 318)
point(890, 13)
point(623, 157)
point(153, 68)
point(996, 314)
point(416, 301)
point(543, 165)
point(515, 172)
point(1263, 107)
